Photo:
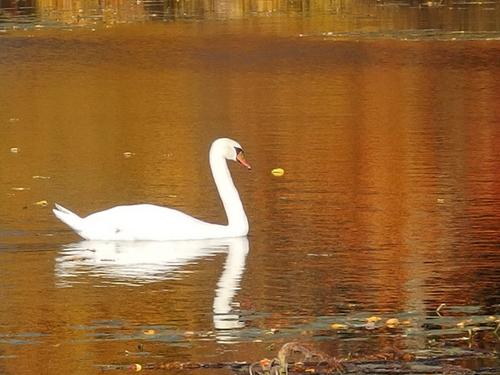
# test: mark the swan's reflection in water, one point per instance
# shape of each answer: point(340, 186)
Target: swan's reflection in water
point(151, 261)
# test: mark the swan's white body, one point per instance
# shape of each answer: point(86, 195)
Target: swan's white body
point(149, 222)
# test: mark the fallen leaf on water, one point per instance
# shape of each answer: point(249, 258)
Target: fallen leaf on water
point(265, 362)
point(41, 177)
point(278, 172)
point(14, 150)
point(392, 322)
point(149, 332)
point(136, 367)
point(373, 319)
point(42, 203)
point(338, 326)
point(128, 154)
point(408, 357)
point(464, 323)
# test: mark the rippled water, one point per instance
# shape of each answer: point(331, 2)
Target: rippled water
point(411, 19)
point(388, 208)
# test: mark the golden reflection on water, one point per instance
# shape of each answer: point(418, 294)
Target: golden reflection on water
point(306, 17)
point(389, 202)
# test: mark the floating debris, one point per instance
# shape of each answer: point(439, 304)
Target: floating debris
point(135, 367)
point(392, 322)
point(373, 319)
point(149, 332)
point(295, 358)
point(370, 325)
point(440, 307)
point(464, 323)
point(14, 150)
point(278, 172)
point(37, 177)
point(42, 203)
point(338, 326)
point(20, 188)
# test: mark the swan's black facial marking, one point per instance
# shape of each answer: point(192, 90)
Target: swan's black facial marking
point(238, 151)
point(240, 158)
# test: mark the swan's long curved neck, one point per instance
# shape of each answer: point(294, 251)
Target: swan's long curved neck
point(236, 217)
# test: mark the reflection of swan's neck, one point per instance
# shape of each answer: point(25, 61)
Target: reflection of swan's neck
point(236, 217)
point(226, 316)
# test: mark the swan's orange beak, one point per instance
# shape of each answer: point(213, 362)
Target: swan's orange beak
point(240, 157)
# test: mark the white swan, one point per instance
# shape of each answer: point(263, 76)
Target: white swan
point(150, 222)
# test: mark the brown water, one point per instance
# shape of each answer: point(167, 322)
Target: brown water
point(389, 205)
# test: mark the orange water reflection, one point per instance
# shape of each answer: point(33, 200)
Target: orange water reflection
point(307, 17)
point(389, 204)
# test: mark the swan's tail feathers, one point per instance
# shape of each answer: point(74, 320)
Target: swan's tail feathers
point(69, 218)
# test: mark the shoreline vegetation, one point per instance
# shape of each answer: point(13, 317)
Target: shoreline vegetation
point(324, 18)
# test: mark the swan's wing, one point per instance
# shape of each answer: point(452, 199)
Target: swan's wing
point(144, 222)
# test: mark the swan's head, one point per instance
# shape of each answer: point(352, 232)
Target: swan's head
point(230, 150)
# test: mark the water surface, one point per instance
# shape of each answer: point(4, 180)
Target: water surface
point(389, 205)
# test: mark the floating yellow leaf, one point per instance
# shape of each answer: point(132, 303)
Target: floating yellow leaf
point(149, 332)
point(338, 326)
point(136, 367)
point(278, 172)
point(128, 154)
point(14, 150)
point(373, 319)
point(392, 322)
point(42, 203)
point(464, 323)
